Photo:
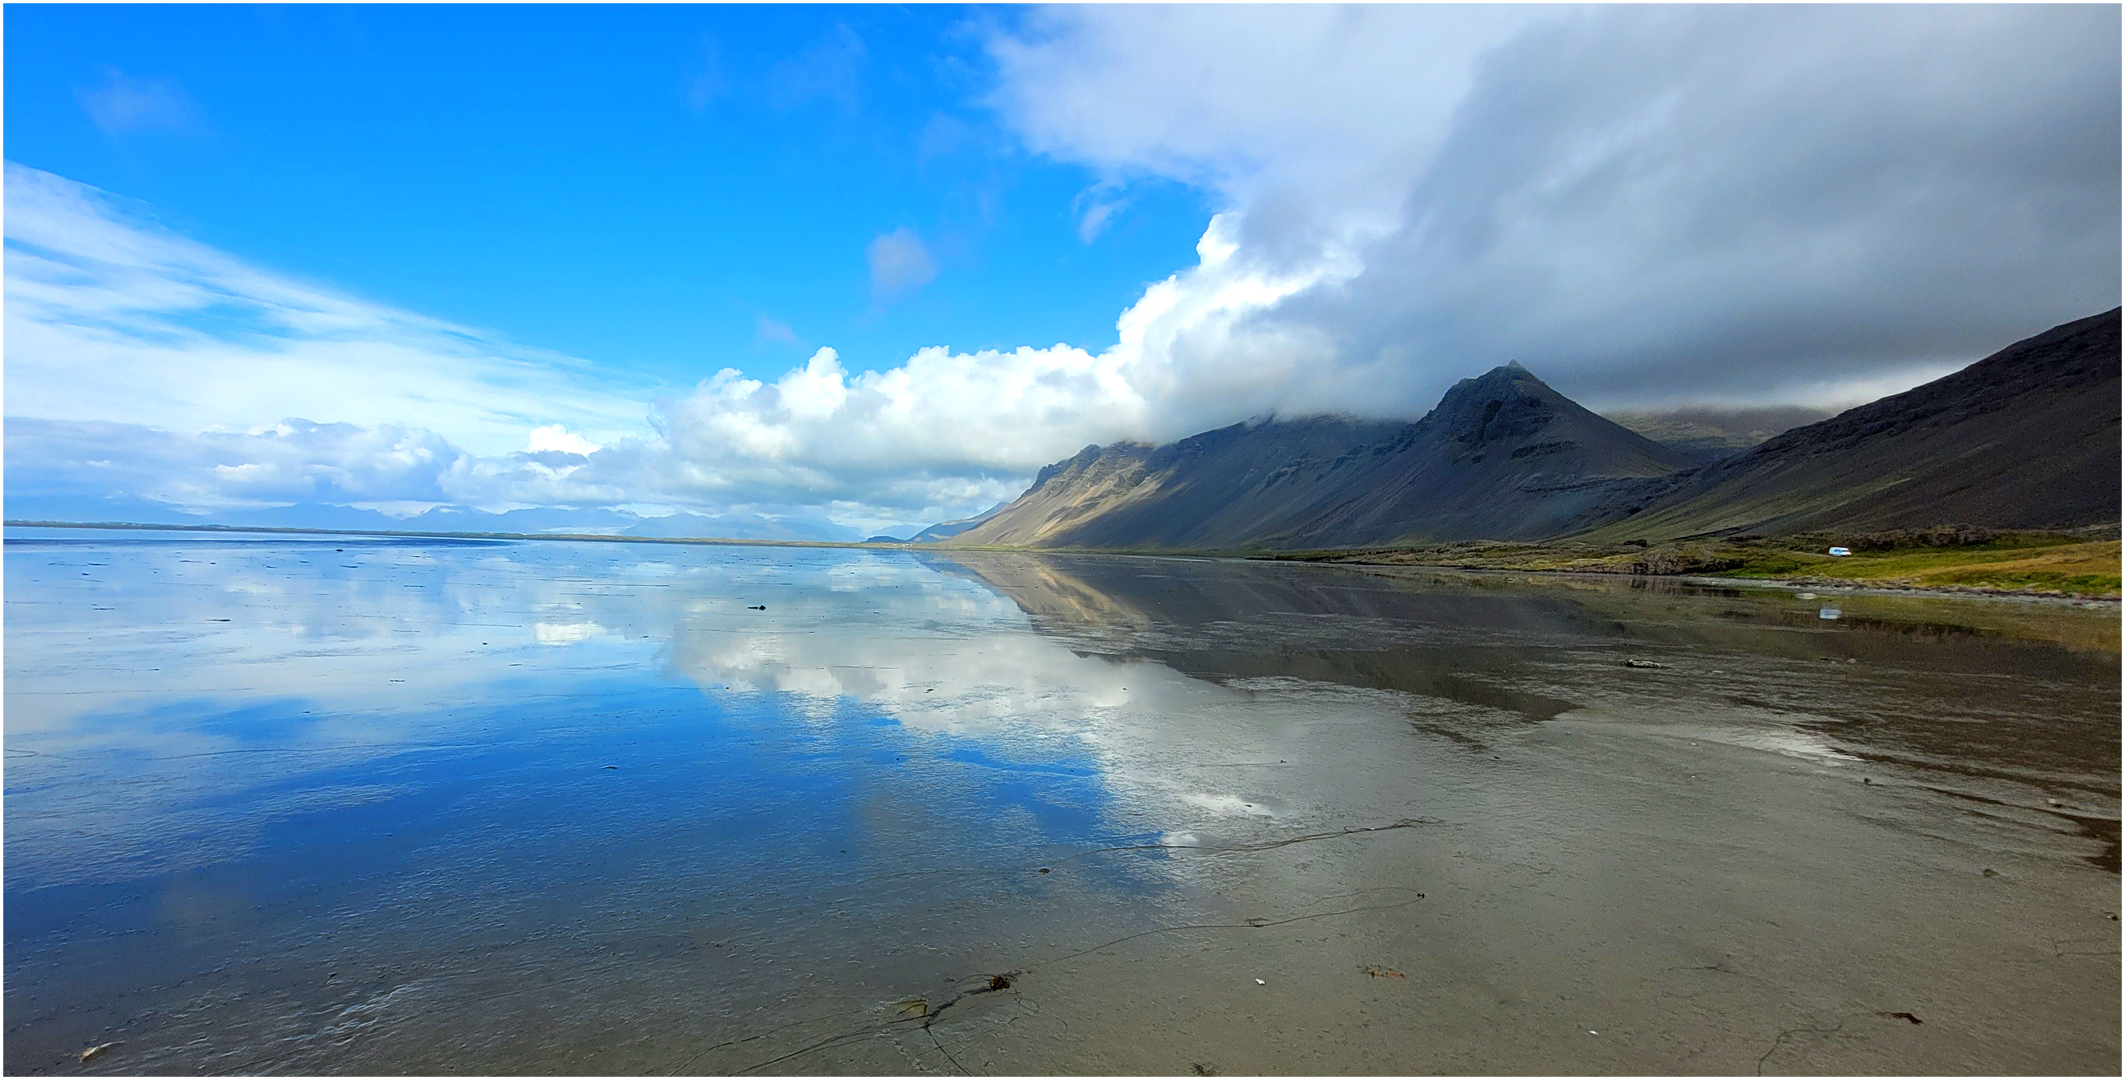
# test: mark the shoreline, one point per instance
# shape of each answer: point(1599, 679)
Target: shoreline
point(1831, 585)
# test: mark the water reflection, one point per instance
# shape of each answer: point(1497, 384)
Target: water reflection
point(356, 805)
point(2000, 691)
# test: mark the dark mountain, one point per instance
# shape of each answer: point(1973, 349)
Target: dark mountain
point(2025, 438)
point(1217, 489)
point(1502, 456)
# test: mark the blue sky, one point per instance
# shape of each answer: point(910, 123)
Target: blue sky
point(831, 271)
point(667, 189)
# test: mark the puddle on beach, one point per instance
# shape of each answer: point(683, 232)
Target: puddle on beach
point(328, 804)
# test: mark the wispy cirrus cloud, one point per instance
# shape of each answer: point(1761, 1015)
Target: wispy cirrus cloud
point(899, 264)
point(122, 105)
point(767, 331)
point(705, 82)
point(1096, 208)
point(112, 317)
point(829, 69)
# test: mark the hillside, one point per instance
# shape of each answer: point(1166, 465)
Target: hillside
point(1710, 434)
point(1217, 489)
point(1501, 456)
point(2026, 438)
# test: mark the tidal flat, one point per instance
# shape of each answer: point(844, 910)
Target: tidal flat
point(351, 805)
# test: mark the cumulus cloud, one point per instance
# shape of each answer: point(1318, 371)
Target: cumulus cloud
point(123, 105)
point(1641, 203)
point(1186, 358)
point(553, 438)
point(899, 264)
point(937, 436)
point(145, 365)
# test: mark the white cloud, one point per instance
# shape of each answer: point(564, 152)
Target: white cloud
point(553, 438)
point(123, 105)
point(899, 264)
point(984, 421)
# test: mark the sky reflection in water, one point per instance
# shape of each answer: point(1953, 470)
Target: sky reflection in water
point(325, 744)
point(329, 803)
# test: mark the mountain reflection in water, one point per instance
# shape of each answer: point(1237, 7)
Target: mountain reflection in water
point(357, 805)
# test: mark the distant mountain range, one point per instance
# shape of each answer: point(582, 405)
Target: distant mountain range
point(2027, 438)
point(1710, 434)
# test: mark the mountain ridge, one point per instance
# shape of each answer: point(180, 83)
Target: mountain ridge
point(2025, 438)
point(1501, 453)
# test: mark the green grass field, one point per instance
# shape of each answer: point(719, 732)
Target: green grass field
point(2033, 561)
point(2020, 561)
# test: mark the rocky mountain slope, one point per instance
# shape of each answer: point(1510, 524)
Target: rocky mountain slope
point(2027, 438)
point(1501, 456)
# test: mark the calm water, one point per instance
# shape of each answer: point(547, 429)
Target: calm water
point(342, 805)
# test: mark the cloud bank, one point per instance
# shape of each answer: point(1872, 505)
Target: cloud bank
point(1644, 204)
point(1647, 206)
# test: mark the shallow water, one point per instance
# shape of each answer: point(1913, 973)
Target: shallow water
point(331, 804)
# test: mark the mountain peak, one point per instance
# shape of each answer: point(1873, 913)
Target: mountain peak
point(1508, 377)
point(1508, 400)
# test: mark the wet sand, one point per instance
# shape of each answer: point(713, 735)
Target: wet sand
point(1017, 814)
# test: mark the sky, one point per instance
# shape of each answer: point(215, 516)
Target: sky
point(867, 268)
